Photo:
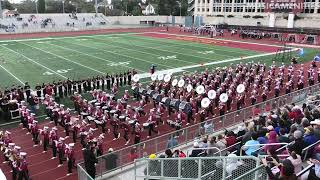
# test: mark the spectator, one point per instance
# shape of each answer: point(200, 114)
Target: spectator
point(296, 161)
point(252, 145)
point(208, 127)
point(133, 154)
point(250, 129)
point(179, 154)
point(241, 131)
point(284, 171)
point(262, 136)
point(313, 173)
point(231, 138)
point(316, 127)
point(232, 163)
point(110, 160)
point(204, 144)
point(213, 147)
point(172, 142)
point(168, 153)
point(221, 144)
point(298, 143)
point(272, 138)
point(196, 151)
point(283, 138)
point(309, 138)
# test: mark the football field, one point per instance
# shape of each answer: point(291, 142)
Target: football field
point(46, 60)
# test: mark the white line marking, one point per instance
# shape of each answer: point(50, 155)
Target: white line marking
point(139, 59)
point(12, 75)
point(201, 45)
point(105, 43)
point(64, 58)
point(180, 69)
point(29, 59)
point(92, 56)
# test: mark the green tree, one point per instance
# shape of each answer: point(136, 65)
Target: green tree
point(136, 11)
point(26, 6)
point(41, 6)
point(54, 7)
point(7, 5)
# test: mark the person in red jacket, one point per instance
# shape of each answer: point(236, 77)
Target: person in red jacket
point(54, 138)
point(61, 150)
point(35, 132)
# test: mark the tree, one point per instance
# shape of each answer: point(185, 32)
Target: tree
point(26, 6)
point(6, 5)
point(136, 11)
point(54, 7)
point(41, 6)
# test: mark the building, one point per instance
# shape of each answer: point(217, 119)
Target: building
point(272, 13)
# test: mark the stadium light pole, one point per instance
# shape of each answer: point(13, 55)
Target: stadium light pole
point(36, 2)
point(179, 6)
point(63, 7)
point(0, 10)
point(96, 6)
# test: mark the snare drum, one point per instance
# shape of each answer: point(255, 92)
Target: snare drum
point(90, 118)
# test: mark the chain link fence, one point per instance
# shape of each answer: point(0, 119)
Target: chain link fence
point(222, 167)
point(121, 158)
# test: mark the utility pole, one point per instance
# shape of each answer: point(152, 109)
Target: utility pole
point(96, 6)
point(0, 10)
point(63, 7)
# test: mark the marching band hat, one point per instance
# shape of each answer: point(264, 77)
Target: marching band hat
point(12, 144)
point(61, 139)
point(45, 127)
point(8, 132)
point(55, 128)
point(101, 136)
point(23, 154)
point(71, 144)
point(17, 147)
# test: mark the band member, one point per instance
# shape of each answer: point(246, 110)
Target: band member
point(54, 138)
point(15, 164)
point(115, 124)
point(126, 129)
point(152, 69)
point(67, 120)
point(69, 151)
point(100, 145)
point(35, 132)
point(23, 168)
point(61, 150)
point(152, 121)
point(137, 133)
point(45, 134)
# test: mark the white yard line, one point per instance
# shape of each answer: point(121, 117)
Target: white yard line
point(203, 46)
point(61, 57)
point(139, 59)
point(62, 47)
point(29, 59)
point(181, 69)
point(12, 75)
point(105, 43)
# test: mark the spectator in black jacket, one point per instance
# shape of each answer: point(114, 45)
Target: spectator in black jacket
point(90, 160)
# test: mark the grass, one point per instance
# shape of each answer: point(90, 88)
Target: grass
point(51, 59)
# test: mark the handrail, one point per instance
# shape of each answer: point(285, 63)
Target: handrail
point(304, 170)
point(204, 149)
point(271, 144)
point(225, 149)
point(308, 148)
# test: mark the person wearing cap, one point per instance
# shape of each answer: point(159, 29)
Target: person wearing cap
point(67, 119)
point(110, 160)
point(309, 137)
point(54, 138)
point(23, 167)
point(35, 133)
point(115, 124)
point(152, 122)
point(137, 133)
point(69, 151)
point(46, 138)
point(61, 146)
point(298, 143)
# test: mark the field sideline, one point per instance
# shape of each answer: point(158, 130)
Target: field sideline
point(45, 60)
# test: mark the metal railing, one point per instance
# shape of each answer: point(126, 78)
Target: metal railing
point(159, 144)
point(196, 168)
point(306, 150)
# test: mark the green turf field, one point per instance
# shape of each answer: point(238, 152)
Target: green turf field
point(59, 58)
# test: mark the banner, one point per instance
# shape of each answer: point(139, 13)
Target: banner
point(280, 6)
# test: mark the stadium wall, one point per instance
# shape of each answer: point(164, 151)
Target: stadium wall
point(125, 20)
point(305, 21)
